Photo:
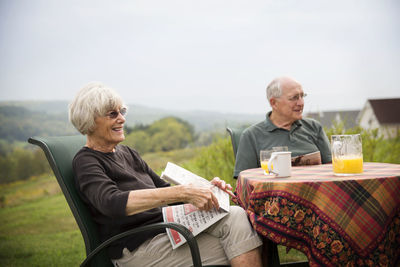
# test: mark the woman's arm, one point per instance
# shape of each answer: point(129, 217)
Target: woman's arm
point(145, 199)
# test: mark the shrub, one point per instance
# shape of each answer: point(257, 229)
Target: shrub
point(216, 160)
point(21, 164)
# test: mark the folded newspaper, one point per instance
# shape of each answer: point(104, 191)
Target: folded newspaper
point(187, 214)
point(313, 158)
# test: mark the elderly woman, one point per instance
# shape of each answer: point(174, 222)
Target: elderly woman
point(122, 193)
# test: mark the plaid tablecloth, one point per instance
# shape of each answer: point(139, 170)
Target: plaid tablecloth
point(335, 221)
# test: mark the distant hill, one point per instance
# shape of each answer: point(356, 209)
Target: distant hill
point(18, 123)
point(200, 119)
point(22, 119)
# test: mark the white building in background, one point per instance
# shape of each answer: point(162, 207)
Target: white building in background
point(383, 114)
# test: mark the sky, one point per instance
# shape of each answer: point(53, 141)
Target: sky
point(214, 55)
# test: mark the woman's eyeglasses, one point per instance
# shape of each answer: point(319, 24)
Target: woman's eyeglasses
point(113, 114)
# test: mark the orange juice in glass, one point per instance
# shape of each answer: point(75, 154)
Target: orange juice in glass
point(347, 158)
point(264, 158)
point(264, 165)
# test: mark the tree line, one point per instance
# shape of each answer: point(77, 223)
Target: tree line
point(19, 162)
point(166, 134)
point(18, 124)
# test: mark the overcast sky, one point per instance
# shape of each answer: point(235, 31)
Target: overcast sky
point(201, 55)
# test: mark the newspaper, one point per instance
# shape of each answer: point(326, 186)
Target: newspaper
point(187, 214)
point(313, 158)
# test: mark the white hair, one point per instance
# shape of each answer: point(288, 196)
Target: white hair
point(274, 89)
point(92, 101)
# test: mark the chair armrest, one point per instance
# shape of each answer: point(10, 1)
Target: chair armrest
point(194, 249)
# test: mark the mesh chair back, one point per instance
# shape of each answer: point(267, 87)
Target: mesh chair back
point(60, 152)
point(235, 138)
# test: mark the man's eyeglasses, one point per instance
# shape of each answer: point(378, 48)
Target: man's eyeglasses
point(297, 97)
point(113, 114)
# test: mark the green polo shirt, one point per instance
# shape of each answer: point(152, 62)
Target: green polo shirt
point(305, 136)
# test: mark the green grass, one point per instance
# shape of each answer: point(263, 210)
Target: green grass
point(19, 192)
point(40, 232)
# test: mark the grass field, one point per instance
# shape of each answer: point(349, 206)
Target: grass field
point(38, 229)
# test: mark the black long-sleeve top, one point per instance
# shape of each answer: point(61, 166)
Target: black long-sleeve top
point(104, 181)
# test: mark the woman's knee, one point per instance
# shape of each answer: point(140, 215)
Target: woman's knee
point(236, 223)
point(238, 216)
point(236, 212)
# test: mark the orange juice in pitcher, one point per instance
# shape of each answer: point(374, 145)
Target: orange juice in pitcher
point(348, 165)
point(347, 158)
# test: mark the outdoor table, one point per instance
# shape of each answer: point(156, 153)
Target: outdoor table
point(333, 220)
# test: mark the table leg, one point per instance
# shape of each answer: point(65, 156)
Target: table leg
point(270, 255)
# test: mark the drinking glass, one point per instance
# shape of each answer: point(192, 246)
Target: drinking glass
point(265, 155)
point(280, 148)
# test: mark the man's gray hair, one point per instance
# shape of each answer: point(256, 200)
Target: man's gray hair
point(274, 89)
point(92, 101)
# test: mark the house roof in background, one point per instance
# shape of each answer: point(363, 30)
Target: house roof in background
point(326, 118)
point(386, 110)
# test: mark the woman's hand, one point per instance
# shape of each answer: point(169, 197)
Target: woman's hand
point(223, 186)
point(201, 197)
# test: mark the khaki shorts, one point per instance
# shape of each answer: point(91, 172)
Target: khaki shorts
point(227, 239)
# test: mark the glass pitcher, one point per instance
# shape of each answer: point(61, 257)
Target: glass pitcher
point(347, 157)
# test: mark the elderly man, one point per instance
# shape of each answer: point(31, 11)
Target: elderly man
point(283, 126)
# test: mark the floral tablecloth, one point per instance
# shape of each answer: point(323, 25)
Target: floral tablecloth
point(334, 221)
